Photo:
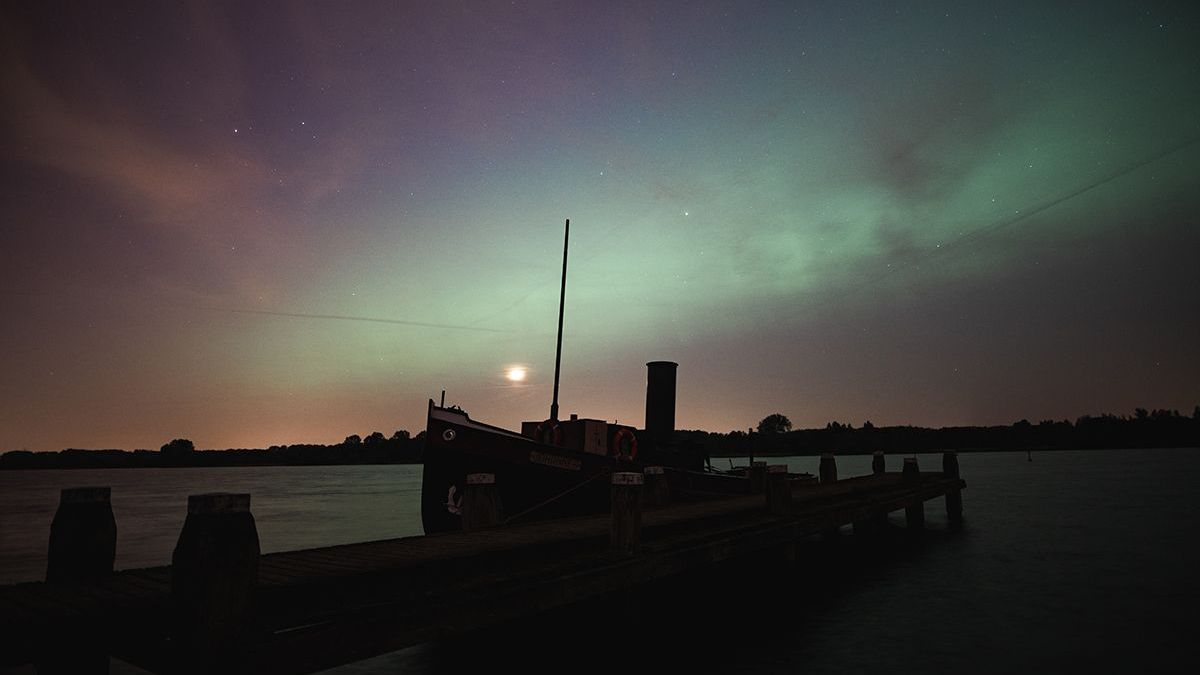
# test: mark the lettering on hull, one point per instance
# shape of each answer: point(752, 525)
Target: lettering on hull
point(546, 459)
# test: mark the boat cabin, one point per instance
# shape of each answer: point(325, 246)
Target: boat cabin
point(595, 437)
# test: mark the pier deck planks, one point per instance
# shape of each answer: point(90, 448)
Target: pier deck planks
point(325, 606)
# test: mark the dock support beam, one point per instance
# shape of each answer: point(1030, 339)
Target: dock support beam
point(658, 493)
point(626, 534)
point(214, 579)
point(878, 464)
point(953, 497)
point(914, 514)
point(83, 536)
point(828, 470)
point(779, 490)
point(481, 502)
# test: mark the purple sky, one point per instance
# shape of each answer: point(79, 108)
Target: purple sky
point(949, 214)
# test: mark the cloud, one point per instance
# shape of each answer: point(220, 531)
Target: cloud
point(221, 205)
point(922, 143)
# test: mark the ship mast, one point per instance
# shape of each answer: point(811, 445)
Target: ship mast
point(562, 298)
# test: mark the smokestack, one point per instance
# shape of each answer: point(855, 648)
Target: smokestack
point(660, 401)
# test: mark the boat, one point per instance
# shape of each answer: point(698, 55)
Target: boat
point(558, 467)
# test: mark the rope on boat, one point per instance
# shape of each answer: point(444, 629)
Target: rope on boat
point(554, 498)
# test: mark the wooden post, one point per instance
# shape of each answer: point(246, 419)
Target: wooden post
point(778, 489)
point(950, 464)
point(911, 471)
point(626, 534)
point(914, 514)
point(757, 473)
point(828, 470)
point(879, 521)
point(83, 545)
point(214, 578)
point(481, 505)
point(658, 492)
point(828, 476)
point(83, 536)
point(954, 496)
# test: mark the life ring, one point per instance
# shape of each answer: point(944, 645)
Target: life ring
point(550, 433)
point(625, 445)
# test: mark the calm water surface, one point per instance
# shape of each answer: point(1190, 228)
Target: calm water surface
point(294, 507)
point(1074, 561)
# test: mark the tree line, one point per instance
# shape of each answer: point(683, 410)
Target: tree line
point(774, 436)
point(375, 448)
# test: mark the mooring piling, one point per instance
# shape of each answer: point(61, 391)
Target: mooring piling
point(626, 533)
point(83, 536)
point(83, 547)
point(953, 496)
point(778, 489)
point(828, 470)
point(914, 513)
point(214, 576)
point(481, 505)
point(879, 521)
point(658, 492)
point(757, 474)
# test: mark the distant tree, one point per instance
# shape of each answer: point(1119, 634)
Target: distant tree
point(374, 438)
point(867, 426)
point(775, 423)
point(1140, 413)
point(400, 435)
point(352, 439)
point(1196, 413)
point(179, 446)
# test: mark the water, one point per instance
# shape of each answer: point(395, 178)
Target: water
point(1077, 560)
point(294, 507)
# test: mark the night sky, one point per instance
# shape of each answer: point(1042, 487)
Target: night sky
point(921, 213)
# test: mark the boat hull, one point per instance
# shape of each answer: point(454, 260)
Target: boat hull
point(534, 480)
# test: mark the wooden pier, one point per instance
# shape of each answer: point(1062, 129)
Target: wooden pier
point(223, 606)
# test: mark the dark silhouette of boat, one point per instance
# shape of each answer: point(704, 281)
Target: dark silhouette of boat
point(555, 468)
